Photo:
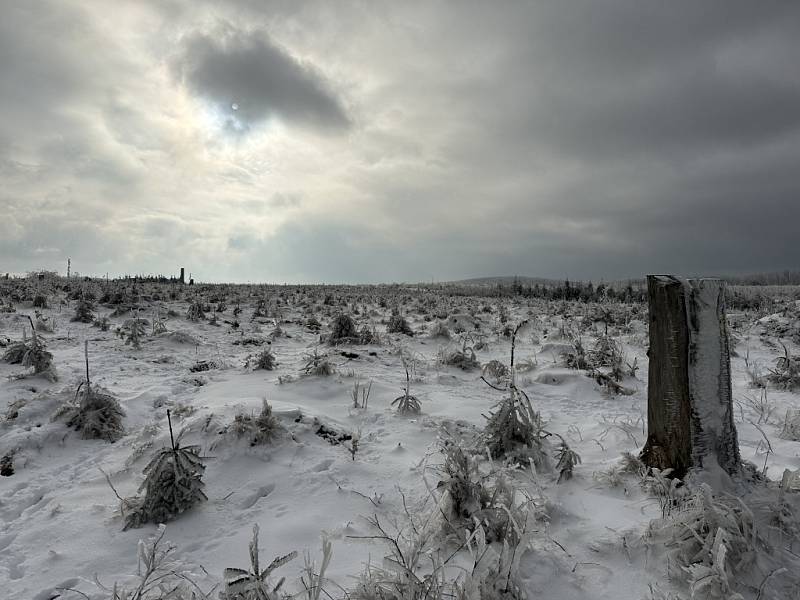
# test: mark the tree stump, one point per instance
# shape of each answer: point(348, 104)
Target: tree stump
point(689, 403)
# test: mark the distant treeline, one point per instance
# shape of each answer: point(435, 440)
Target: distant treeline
point(782, 278)
point(578, 290)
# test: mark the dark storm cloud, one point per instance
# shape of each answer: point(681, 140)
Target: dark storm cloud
point(583, 139)
point(250, 79)
point(604, 80)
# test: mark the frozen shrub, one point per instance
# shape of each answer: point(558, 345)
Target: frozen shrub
point(714, 540)
point(494, 574)
point(566, 459)
point(135, 330)
point(40, 301)
point(514, 430)
point(31, 353)
point(96, 415)
point(464, 359)
point(16, 351)
point(343, 330)
point(398, 324)
point(496, 369)
point(786, 374)
point(576, 358)
point(84, 311)
point(606, 353)
point(260, 429)
point(263, 360)
point(254, 584)
point(318, 364)
point(173, 484)
point(313, 324)
point(103, 323)
point(196, 312)
point(476, 498)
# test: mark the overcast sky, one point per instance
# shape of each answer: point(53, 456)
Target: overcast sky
point(400, 141)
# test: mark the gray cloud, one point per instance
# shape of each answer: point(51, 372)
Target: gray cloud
point(250, 79)
point(577, 139)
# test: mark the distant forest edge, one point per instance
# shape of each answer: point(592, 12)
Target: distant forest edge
point(624, 290)
point(754, 292)
point(772, 278)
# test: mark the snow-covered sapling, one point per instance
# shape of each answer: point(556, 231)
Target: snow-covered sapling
point(31, 353)
point(173, 484)
point(343, 330)
point(84, 311)
point(94, 413)
point(263, 360)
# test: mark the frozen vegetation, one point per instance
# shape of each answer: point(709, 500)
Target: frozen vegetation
point(257, 442)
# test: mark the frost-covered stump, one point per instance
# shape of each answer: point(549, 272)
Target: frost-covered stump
point(689, 407)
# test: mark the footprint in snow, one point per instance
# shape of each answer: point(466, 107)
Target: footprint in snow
point(323, 465)
point(253, 497)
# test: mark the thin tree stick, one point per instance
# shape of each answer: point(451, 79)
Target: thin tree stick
point(86, 356)
point(171, 438)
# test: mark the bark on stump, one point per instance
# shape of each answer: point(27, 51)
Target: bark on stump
point(689, 404)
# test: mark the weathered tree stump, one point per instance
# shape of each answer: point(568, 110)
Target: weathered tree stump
point(689, 404)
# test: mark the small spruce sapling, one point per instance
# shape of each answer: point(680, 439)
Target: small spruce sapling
point(136, 331)
point(95, 414)
point(264, 360)
point(31, 353)
point(173, 484)
point(84, 311)
point(514, 429)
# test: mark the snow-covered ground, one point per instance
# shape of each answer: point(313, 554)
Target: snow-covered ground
point(60, 521)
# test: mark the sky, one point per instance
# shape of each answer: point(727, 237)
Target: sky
point(289, 141)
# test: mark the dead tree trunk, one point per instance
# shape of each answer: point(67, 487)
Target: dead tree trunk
point(689, 404)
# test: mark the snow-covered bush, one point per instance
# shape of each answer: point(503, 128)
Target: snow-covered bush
point(258, 429)
point(264, 360)
point(514, 430)
point(398, 324)
point(786, 374)
point(31, 353)
point(478, 500)
point(318, 364)
point(196, 311)
point(95, 413)
point(496, 369)
point(343, 330)
point(172, 484)
point(84, 311)
point(136, 329)
point(710, 540)
point(464, 359)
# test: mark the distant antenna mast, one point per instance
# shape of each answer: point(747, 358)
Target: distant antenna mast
point(69, 266)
